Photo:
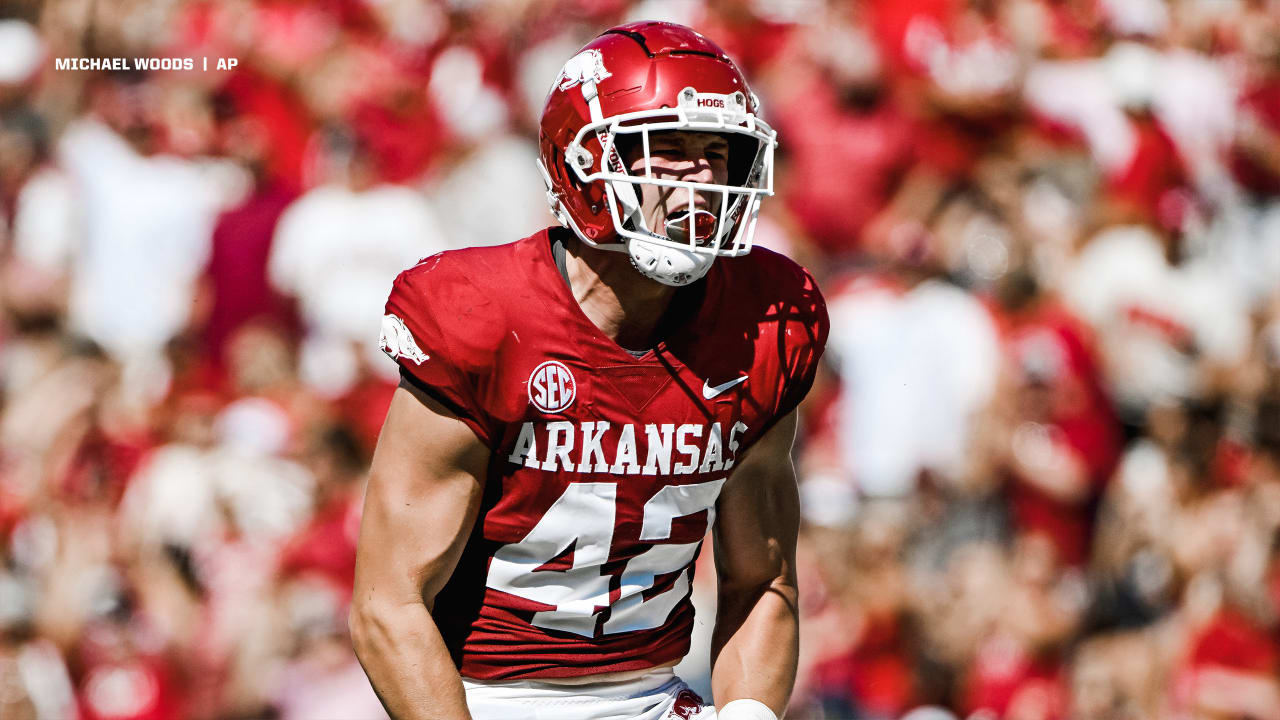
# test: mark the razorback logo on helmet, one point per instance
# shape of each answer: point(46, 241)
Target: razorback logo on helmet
point(398, 342)
point(586, 65)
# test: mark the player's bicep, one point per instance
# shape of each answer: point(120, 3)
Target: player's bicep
point(424, 493)
point(758, 514)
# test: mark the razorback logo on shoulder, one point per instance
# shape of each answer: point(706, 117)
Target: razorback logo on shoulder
point(398, 342)
point(586, 65)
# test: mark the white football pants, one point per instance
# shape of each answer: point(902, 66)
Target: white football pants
point(654, 695)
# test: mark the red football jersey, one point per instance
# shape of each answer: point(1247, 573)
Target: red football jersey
point(606, 467)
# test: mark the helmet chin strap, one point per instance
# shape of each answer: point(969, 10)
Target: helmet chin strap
point(623, 191)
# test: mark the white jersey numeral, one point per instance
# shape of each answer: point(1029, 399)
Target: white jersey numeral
point(632, 611)
point(581, 517)
point(582, 520)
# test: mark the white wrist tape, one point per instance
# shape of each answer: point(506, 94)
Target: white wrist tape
point(745, 709)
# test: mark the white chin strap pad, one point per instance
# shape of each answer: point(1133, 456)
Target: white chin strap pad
point(666, 264)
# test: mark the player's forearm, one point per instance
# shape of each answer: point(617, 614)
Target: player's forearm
point(407, 662)
point(756, 645)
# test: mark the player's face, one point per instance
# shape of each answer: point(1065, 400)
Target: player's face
point(679, 155)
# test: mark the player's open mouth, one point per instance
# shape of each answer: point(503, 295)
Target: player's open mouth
point(704, 225)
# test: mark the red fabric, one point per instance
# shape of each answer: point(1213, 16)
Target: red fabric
point(354, 15)
point(1004, 675)
point(196, 23)
point(326, 545)
point(948, 143)
point(13, 508)
point(487, 322)
point(1263, 101)
point(1081, 415)
point(1057, 133)
point(293, 35)
point(402, 132)
point(752, 42)
point(364, 407)
point(892, 19)
point(284, 117)
point(1231, 463)
point(876, 674)
point(1068, 527)
point(1233, 641)
point(198, 378)
point(951, 145)
point(1154, 172)
point(845, 165)
point(1229, 642)
point(102, 465)
point(1073, 28)
point(128, 691)
point(237, 270)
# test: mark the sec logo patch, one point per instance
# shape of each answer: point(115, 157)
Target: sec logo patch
point(552, 388)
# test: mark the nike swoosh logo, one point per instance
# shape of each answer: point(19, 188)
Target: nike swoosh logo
point(709, 392)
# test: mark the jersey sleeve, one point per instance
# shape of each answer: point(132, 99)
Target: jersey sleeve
point(805, 329)
point(423, 330)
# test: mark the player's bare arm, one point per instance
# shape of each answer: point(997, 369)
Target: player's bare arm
point(423, 497)
point(755, 645)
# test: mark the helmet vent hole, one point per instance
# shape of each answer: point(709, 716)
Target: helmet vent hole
point(638, 37)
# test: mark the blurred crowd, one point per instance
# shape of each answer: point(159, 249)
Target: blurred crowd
point(1040, 472)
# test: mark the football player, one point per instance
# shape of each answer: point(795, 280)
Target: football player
point(578, 408)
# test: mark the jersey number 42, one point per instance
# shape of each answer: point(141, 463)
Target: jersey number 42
point(583, 518)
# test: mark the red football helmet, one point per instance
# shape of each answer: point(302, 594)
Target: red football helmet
point(630, 81)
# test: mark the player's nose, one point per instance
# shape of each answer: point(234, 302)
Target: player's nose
point(700, 171)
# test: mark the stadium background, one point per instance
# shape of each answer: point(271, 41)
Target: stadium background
point(1040, 471)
